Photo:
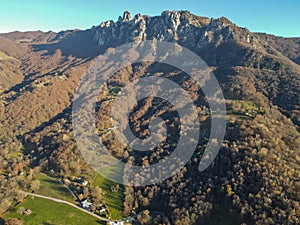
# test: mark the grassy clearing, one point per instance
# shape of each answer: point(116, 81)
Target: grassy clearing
point(51, 213)
point(4, 56)
point(237, 109)
point(15, 154)
point(113, 91)
point(247, 104)
point(114, 200)
point(243, 109)
point(242, 105)
point(51, 187)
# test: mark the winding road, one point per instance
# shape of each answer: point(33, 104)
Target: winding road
point(67, 203)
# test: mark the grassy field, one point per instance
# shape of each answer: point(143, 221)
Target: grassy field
point(51, 213)
point(114, 201)
point(52, 188)
point(15, 154)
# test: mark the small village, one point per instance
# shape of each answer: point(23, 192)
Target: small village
point(87, 204)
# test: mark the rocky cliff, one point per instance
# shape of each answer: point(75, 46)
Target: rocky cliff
point(173, 26)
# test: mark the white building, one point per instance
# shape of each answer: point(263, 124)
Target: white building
point(85, 204)
point(116, 223)
point(102, 210)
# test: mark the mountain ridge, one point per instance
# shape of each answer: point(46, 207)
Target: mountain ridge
point(181, 26)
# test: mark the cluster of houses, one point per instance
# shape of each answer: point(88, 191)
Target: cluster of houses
point(85, 204)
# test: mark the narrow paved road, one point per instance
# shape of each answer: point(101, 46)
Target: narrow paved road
point(68, 203)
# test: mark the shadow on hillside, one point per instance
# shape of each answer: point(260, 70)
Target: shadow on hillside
point(28, 80)
point(79, 44)
point(222, 217)
point(28, 145)
point(66, 113)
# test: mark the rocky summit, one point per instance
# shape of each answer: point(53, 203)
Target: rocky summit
point(173, 26)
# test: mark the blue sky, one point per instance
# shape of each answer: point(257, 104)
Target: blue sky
point(280, 17)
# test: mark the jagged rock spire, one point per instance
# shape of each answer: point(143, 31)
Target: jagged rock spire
point(127, 16)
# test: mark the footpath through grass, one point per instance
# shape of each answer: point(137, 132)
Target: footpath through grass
point(51, 187)
point(48, 212)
